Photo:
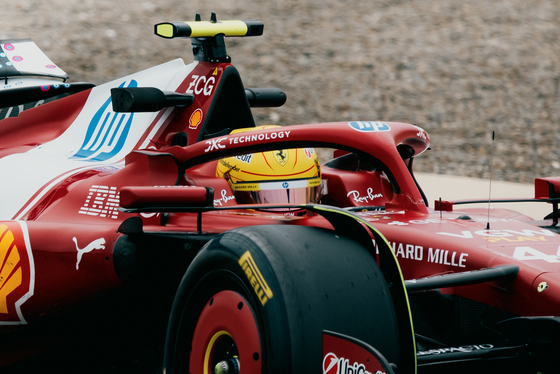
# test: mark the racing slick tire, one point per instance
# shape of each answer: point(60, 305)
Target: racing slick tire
point(258, 300)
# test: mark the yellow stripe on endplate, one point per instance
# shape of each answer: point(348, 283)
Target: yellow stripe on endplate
point(202, 29)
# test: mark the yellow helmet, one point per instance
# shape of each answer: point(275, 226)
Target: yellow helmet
point(284, 176)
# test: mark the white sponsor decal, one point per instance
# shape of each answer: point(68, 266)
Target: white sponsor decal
point(96, 244)
point(531, 254)
point(497, 233)
point(430, 254)
point(334, 365)
point(421, 133)
point(224, 199)
point(102, 201)
point(355, 194)
point(149, 215)
point(398, 223)
point(201, 84)
point(245, 158)
point(462, 349)
point(440, 221)
point(259, 137)
point(216, 144)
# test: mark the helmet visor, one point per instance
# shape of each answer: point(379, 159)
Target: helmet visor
point(298, 192)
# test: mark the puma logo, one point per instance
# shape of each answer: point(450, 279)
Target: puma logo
point(96, 244)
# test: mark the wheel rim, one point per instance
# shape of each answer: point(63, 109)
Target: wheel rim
point(226, 329)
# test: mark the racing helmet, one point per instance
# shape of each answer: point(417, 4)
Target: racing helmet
point(283, 176)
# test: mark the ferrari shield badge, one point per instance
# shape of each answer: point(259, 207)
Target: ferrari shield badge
point(16, 272)
point(281, 157)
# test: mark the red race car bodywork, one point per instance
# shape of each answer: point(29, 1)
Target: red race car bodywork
point(98, 182)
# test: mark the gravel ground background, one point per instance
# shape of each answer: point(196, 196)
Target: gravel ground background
point(458, 68)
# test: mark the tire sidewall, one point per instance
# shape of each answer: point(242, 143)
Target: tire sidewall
point(299, 265)
point(217, 267)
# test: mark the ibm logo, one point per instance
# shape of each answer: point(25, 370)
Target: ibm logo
point(102, 201)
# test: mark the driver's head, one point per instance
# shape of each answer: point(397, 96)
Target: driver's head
point(284, 176)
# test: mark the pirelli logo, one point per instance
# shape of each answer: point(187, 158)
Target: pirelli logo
point(255, 277)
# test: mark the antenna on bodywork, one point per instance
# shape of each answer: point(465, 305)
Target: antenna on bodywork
point(491, 177)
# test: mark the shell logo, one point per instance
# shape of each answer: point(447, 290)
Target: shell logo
point(195, 119)
point(16, 272)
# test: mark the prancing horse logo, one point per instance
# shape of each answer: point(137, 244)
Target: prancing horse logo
point(281, 156)
point(96, 244)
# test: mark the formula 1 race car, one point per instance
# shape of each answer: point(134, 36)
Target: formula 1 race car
point(151, 217)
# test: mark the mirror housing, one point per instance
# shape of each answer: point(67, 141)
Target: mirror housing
point(147, 99)
point(166, 198)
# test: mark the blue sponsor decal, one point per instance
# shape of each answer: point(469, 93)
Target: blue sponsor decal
point(367, 126)
point(285, 185)
point(106, 133)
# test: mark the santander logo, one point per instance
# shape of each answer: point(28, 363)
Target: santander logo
point(330, 364)
point(334, 365)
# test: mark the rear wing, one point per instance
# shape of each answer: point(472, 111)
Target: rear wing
point(207, 37)
point(207, 29)
point(23, 58)
point(227, 106)
point(29, 78)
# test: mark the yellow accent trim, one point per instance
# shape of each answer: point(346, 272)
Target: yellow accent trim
point(246, 187)
point(215, 72)
point(204, 29)
point(165, 30)
point(210, 346)
point(371, 227)
point(314, 182)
